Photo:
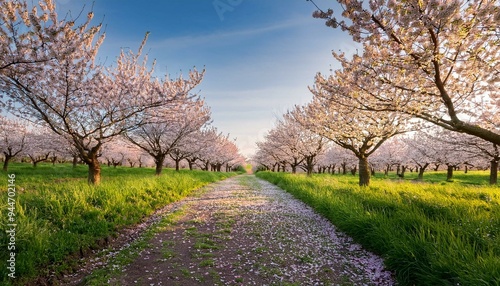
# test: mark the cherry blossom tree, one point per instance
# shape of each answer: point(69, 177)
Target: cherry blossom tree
point(64, 87)
point(32, 36)
point(91, 104)
point(225, 152)
point(29, 34)
point(13, 134)
point(465, 149)
point(118, 152)
point(284, 140)
point(208, 153)
point(169, 133)
point(447, 154)
point(220, 151)
point(187, 148)
point(43, 145)
point(201, 141)
point(273, 157)
point(435, 60)
point(136, 157)
point(309, 144)
point(230, 155)
point(336, 157)
point(289, 143)
point(265, 157)
point(484, 150)
point(422, 151)
point(331, 115)
point(391, 153)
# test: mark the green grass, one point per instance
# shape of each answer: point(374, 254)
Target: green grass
point(59, 216)
point(480, 178)
point(429, 233)
point(207, 263)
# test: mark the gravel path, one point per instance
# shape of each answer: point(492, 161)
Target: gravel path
point(246, 231)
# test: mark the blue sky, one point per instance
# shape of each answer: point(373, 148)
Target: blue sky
point(260, 56)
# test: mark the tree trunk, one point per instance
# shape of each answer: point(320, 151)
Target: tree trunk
point(449, 174)
point(354, 170)
point(493, 171)
point(177, 163)
point(35, 160)
point(310, 165)
point(6, 162)
point(421, 171)
point(131, 163)
point(364, 171)
point(159, 160)
point(309, 168)
point(401, 171)
point(75, 161)
point(94, 171)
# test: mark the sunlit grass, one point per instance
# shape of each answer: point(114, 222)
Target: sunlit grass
point(430, 233)
point(59, 214)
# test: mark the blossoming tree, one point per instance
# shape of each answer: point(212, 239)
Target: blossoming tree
point(220, 152)
point(331, 114)
point(43, 145)
point(29, 34)
point(435, 60)
point(88, 103)
point(465, 149)
point(289, 143)
point(171, 129)
point(12, 139)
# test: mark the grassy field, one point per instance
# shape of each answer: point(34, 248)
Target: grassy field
point(429, 233)
point(58, 215)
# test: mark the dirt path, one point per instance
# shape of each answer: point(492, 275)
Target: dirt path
point(245, 231)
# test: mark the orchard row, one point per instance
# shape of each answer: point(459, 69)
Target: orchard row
point(81, 108)
point(204, 149)
point(290, 147)
point(421, 65)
